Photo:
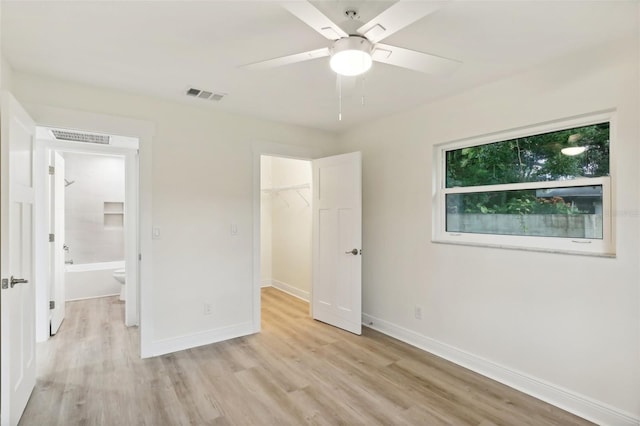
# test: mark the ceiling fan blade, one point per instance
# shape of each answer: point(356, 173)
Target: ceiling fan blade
point(395, 18)
point(311, 16)
point(418, 61)
point(290, 59)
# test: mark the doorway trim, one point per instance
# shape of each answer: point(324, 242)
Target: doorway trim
point(261, 148)
point(44, 147)
point(46, 116)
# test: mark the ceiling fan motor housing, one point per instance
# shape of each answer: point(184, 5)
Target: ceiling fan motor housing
point(353, 42)
point(351, 55)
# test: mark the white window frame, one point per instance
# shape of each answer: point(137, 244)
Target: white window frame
point(586, 246)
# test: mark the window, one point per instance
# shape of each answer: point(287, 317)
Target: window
point(541, 188)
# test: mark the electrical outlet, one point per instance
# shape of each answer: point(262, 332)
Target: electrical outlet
point(207, 308)
point(417, 312)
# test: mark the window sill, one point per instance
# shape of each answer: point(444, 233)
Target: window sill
point(529, 249)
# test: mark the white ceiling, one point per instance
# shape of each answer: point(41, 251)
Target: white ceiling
point(160, 48)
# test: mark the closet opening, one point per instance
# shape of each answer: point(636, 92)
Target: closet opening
point(285, 231)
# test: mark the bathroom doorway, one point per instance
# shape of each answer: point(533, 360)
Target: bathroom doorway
point(94, 218)
point(91, 199)
point(285, 225)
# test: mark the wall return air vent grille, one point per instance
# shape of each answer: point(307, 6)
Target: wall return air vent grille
point(66, 135)
point(205, 94)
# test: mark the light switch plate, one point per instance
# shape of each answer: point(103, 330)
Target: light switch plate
point(155, 234)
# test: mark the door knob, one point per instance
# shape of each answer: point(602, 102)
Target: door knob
point(353, 252)
point(14, 281)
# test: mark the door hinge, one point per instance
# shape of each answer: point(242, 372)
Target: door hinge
point(5, 283)
point(139, 256)
point(52, 304)
point(52, 238)
point(52, 170)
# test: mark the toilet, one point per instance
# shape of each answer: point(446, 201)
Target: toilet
point(120, 276)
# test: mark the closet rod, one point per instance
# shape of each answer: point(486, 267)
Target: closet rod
point(297, 188)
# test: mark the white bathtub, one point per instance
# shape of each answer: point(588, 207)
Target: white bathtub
point(89, 280)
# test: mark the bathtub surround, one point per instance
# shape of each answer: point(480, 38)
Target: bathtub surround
point(94, 208)
point(91, 280)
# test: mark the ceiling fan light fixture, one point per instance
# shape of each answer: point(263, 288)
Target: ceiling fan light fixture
point(573, 150)
point(351, 56)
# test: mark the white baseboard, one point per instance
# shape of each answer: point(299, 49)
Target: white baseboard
point(93, 297)
point(572, 402)
point(293, 291)
point(189, 341)
point(266, 283)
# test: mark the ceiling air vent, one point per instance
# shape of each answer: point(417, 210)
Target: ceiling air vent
point(205, 94)
point(66, 135)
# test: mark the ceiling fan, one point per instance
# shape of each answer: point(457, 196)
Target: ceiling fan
point(353, 51)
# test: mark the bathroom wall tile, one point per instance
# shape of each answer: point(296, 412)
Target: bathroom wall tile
point(96, 179)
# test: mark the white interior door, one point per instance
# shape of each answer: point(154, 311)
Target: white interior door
point(17, 314)
point(337, 240)
point(57, 254)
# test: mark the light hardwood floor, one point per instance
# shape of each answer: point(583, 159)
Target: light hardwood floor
point(296, 371)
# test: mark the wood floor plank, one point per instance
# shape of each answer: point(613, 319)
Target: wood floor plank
point(296, 371)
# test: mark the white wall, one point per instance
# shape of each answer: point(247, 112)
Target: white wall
point(266, 273)
point(5, 68)
point(6, 73)
point(568, 321)
point(202, 181)
point(290, 228)
point(91, 233)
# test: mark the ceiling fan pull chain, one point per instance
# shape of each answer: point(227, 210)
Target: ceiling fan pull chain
point(339, 97)
point(363, 91)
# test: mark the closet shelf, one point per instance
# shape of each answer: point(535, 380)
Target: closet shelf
point(278, 189)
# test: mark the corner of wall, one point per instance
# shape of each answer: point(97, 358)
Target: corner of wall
point(193, 340)
point(6, 73)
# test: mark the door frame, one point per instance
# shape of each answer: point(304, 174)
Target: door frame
point(261, 148)
point(55, 186)
point(46, 116)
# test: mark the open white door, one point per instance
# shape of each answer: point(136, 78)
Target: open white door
point(57, 249)
point(17, 314)
point(337, 239)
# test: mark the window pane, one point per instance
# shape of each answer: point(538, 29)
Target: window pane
point(532, 158)
point(569, 212)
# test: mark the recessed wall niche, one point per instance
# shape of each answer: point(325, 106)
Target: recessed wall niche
point(113, 214)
